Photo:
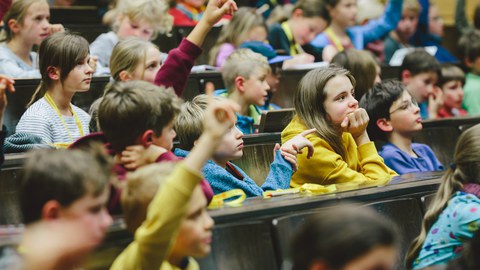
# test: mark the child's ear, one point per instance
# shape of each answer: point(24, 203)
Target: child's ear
point(125, 76)
point(384, 125)
point(53, 73)
point(468, 63)
point(13, 25)
point(51, 210)
point(146, 138)
point(240, 83)
point(297, 13)
point(406, 76)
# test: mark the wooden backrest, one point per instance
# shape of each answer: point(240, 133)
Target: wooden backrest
point(276, 120)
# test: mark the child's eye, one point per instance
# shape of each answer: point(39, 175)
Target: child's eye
point(134, 26)
point(95, 209)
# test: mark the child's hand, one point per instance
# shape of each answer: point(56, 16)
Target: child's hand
point(435, 102)
point(6, 83)
point(54, 28)
point(135, 156)
point(299, 59)
point(356, 123)
point(329, 52)
point(93, 62)
point(289, 154)
point(297, 143)
point(216, 9)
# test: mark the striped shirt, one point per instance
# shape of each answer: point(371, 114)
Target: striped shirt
point(42, 120)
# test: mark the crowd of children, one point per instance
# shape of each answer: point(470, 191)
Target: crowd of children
point(121, 157)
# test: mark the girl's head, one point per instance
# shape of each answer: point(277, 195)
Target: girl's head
point(435, 21)
point(27, 20)
point(408, 23)
point(246, 25)
point(64, 58)
point(451, 81)
point(135, 59)
point(363, 67)
point(344, 238)
point(465, 169)
point(343, 12)
point(323, 99)
point(309, 18)
point(141, 18)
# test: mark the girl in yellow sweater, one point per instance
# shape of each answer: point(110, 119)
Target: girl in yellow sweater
point(344, 154)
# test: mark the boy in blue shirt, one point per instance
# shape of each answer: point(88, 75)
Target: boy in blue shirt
point(395, 118)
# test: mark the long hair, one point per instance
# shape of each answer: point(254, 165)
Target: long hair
point(309, 101)
point(17, 12)
point(465, 170)
point(62, 50)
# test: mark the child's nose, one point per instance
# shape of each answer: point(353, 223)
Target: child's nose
point(209, 222)
point(106, 219)
point(353, 102)
point(238, 133)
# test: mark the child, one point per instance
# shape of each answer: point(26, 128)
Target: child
point(345, 237)
point(451, 82)
point(363, 67)
point(67, 185)
point(178, 207)
point(344, 154)
point(308, 19)
point(245, 77)
point(5, 83)
point(26, 24)
point(400, 37)
point(452, 217)
point(395, 118)
point(247, 25)
point(65, 70)
point(469, 47)
point(187, 12)
point(419, 72)
point(142, 18)
point(344, 34)
point(220, 172)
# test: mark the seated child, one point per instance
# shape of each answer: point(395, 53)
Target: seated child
point(451, 81)
point(344, 155)
point(366, 241)
point(452, 217)
point(186, 12)
point(469, 47)
point(406, 27)
point(141, 18)
point(419, 72)
point(160, 210)
point(65, 68)
point(395, 118)
point(220, 172)
point(5, 83)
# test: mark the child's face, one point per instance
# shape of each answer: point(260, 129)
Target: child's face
point(452, 94)
point(256, 87)
point(79, 78)
point(257, 33)
point(92, 212)
point(339, 100)
point(435, 21)
point(306, 29)
point(408, 24)
point(379, 258)
point(148, 71)
point(421, 85)
point(35, 26)
point(195, 233)
point(405, 115)
point(165, 139)
point(129, 28)
point(231, 146)
point(345, 13)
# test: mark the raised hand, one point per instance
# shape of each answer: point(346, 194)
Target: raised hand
point(217, 8)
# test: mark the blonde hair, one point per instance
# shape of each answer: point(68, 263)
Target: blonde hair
point(17, 12)
point(236, 31)
point(154, 12)
point(412, 5)
point(466, 169)
point(140, 188)
point(242, 62)
point(309, 105)
point(128, 54)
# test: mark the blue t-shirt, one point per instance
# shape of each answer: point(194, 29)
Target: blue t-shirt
point(455, 225)
point(402, 163)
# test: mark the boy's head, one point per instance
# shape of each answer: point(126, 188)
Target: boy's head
point(138, 112)
point(309, 18)
point(408, 23)
point(142, 18)
point(469, 48)
point(245, 73)
point(451, 82)
point(419, 72)
point(195, 233)
point(391, 109)
point(189, 125)
point(67, 184)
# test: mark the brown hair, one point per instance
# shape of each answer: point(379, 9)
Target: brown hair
point(130, 108)
point(449, 72)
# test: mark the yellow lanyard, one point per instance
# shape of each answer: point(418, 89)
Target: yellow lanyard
point(77, 121)
point(334, 39)
point(294, 47)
